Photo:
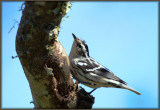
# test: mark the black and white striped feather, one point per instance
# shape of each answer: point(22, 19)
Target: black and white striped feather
point(89, 65)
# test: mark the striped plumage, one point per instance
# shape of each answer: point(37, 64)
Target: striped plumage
point(89, 72)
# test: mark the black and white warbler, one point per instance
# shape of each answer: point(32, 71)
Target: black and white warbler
point(89, 72)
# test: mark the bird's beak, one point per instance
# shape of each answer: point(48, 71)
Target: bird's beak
point(75, 38)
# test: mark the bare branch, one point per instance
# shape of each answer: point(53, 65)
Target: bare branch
point(43, 58)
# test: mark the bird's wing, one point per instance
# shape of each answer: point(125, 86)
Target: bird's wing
point(90, 65)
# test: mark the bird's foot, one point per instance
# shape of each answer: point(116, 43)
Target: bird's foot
point(92, 91)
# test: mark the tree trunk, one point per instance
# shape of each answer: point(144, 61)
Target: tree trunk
point(44, 60)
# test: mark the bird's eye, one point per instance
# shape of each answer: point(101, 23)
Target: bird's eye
point(78, 45)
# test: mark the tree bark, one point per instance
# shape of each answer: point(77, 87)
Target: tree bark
point(44, 60)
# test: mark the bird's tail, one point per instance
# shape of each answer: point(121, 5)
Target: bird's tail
point(113, 83)
point(129, 88)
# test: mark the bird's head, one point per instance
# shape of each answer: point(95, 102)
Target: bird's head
point(79, 48)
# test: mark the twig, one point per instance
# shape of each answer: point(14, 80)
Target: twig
point(21, 7)
point(14, 57)
point(31, 102)
point(13, 25)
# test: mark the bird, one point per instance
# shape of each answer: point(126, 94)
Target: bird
point(89, 72)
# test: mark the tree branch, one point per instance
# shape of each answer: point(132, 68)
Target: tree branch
point(44, 60)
